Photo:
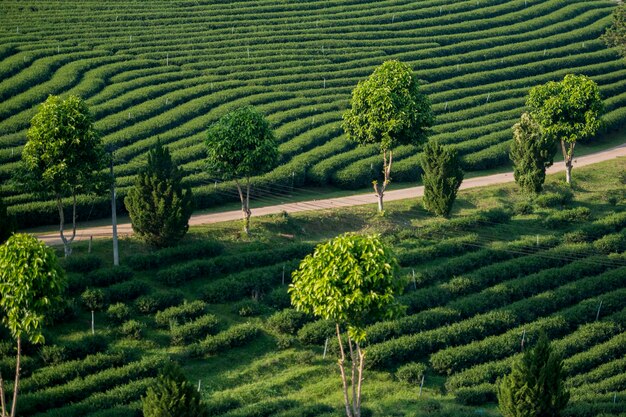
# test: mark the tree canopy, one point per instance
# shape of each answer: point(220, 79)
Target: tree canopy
point(531, 152)
point(615, 35)
point(158, 205)
point(568, 111)
point(241, 145)
point(63, 155)
point(7, 223)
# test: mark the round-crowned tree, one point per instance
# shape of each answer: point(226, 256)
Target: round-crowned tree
point(31, 283)
point(388, 109)
point(158, 205)
point(63, 156)
point(239, 146)
point(568, 111)
point(350, 280)
point(615, 35)
point(531, 152)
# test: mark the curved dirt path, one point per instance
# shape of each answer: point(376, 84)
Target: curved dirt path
point(125, 229)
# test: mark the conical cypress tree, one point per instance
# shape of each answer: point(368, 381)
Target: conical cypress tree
point(172, 396)
point(531, 153)
point(442, 177)
point(159, 208)
point(535, 386)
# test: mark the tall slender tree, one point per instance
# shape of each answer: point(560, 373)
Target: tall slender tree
point(64, 156)
point(536, 385)
point(239, 146)
point(31, 282)
point(388, 109)
point(532, 153)
point(568, 111)
point(349, 280)
point(158, 204)
point(442, 177)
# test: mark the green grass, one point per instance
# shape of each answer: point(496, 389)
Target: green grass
point(265, 377)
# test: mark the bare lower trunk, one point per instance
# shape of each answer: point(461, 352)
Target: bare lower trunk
point(361, 356)
point(3, 405)
point(93, 325)
point(245, 205)
point(341, 362)
point(568, 156)
point(67, 243)
point(380, 188)
point(16, 386)
point(353, 378)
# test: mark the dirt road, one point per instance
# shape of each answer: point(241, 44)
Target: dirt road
point(85, 232)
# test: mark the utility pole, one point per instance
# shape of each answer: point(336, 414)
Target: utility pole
point(116, 257)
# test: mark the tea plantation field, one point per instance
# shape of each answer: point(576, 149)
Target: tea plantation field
point(170, 69)
point(478, 286)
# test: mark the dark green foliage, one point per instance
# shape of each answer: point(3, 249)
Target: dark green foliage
point(180, 314)
point(476, 395)
point(132, 329)
point(158, 206)
point(615, 36)
point(183, 252)
point(125, 291)
point(315, 333)
point(158, 300)
point(118, 313)
point(562, 218)
point(531, 153)
point(442, 178)
point(172, 396)
point(194, 330)
point(93, 299)
point(107, 276)
point(234, 336)
point(248, 308)
point(535, 386)
point(288, 321)
point(52, 354)
point(7, 223)
point(411, 373)
point(81, 263)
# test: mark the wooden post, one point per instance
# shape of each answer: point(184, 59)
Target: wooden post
point(325, 348)
point(93, 329)
point(414, 282)
point(198, 385)
point(90, 242)
point(598, 313)
point(523, 338)
point(421, 385)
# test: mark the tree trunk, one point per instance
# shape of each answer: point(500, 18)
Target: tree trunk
point(245, 205)
point(341, 362)
point(17, 376)
point(93, 326)
point(361, 356)
point(353, 377)
point(67, 243)
point(568, 156)
point(3, 405)
point(380, 189)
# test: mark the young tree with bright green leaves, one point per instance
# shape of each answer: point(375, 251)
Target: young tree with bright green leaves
point(31, 282)
point(536, 385)
point(64, 156)
point(442, 177)
point(7, 223)
point(388, 109)
point(93, 299)
point(568, 111)
point(532, 153)
point(172, 395)
point(158, 205)
point(615, 35)
point(239, 146)
point(351, 280)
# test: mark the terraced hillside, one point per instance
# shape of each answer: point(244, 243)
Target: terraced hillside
point(478, 287)
point(169, 69)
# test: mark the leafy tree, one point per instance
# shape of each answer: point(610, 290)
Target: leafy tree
point(239, 146)
point(536, 385)
point(568, 111)
point(172, 396)
point(158, 206)
point(531, 153)
point(388, 109)
point(63, 156)
point(350, 280)
point(31, 282)
point(7, 223)
point(442, 177)
point(93, 300)
point(615, 36)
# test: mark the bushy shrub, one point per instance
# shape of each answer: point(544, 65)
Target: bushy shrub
point(478, 395)
point(316, 332)
point(159, 300)
point(132, 329)
point(87, 344)
point(52, 354)
point(284, 341)
point(523, 208)
point(118, 313)
point(278, 298)
point(613, 243)
point(562, 218)
point(194, 330)
point(184, 252)
point(180, 314)
point(411, 373)
point(125, 291)
point(247, 308)
point(559, 198)
point(234, 336)
point(288, 321)
point(81, 263)
point(104, 277)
